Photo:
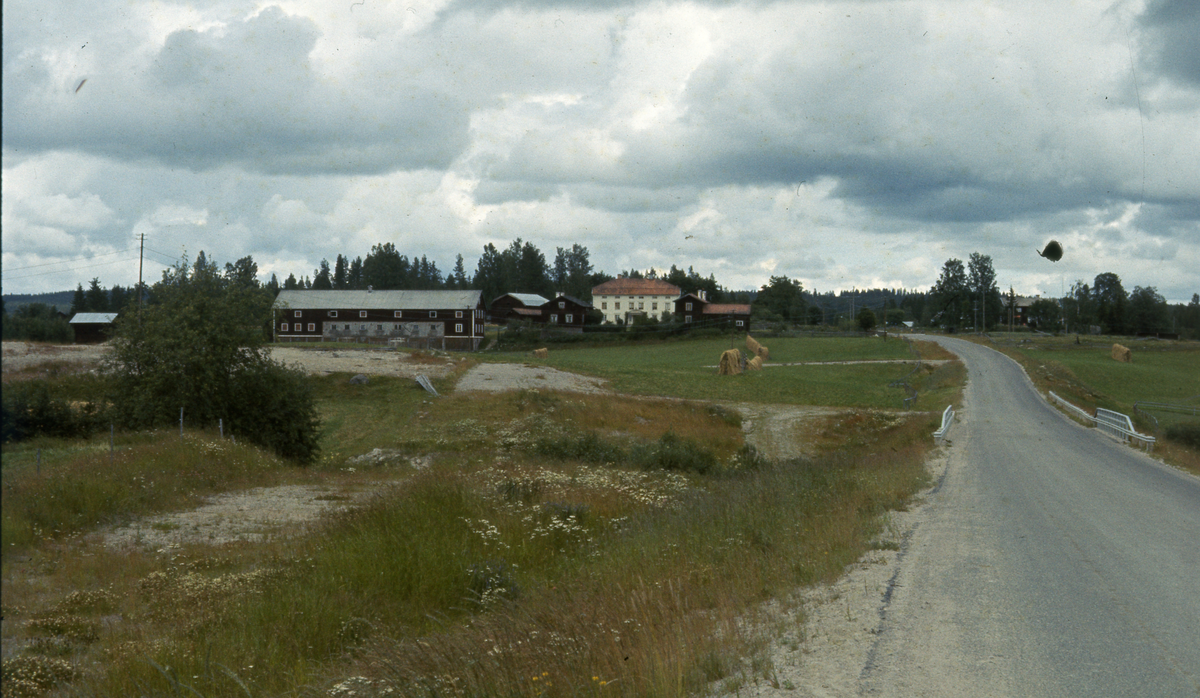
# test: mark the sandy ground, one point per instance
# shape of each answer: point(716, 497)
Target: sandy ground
point(24, 356)
point(370, 362)
point(252, 515)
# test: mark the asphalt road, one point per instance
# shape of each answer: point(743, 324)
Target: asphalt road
point(1054, 561)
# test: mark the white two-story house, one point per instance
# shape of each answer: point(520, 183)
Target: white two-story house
point(621, 300)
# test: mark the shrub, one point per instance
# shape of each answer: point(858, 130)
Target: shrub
point(30, 410)
point(1186, 433)
point(588, 447)
point(672, 452)
point(200, 347)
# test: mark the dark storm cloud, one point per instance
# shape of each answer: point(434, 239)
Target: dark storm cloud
point(1172, 30)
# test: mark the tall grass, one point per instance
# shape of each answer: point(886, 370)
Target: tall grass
point(80, 486)
point(527, 578)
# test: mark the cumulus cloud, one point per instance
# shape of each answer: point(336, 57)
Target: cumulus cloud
point(841, 142)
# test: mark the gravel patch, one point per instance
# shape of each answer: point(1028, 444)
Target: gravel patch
point(370, 362)
point(249, 516)
point(494, 378)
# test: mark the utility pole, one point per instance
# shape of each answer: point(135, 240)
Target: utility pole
point(141, 253)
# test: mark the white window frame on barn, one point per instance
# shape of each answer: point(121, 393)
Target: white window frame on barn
point(458, 313)
point(741, 323)
point(554, 317)
point(458, 328)
point(298, 314)
point(362, 313)
point(570, 318)
point(687, 318)
point(312, 327)
point(332, 313)
point(562, 304)
point(398, 313)
point(687, 306)
point(432, 313)
point(283, 327)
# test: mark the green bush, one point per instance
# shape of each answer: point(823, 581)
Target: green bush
point(200, 347)
point(1186, 433)
point(30, 410)
point(37, 322)
point(672, 452)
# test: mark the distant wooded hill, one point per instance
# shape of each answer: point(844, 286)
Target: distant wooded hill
point(61, 300)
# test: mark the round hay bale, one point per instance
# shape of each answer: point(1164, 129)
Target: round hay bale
point(754, 364)
point(542, 353)
point(1122, 354)
point(752, 345)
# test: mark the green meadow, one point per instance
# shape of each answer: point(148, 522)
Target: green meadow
point(688, 369)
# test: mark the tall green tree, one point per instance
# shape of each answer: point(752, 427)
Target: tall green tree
point(1045, 315)
point(1148, 313)
point(199, 346)
point(96, 298)
point(533, 274)
point(385, 268)
point(323, 277)
point(951, 295)
point(490, 277)
point(981, 280)
point(782, 298)
point(1111, 301)
point(243, 272)
point(79, 300)
point(341, 274)
point(1079, 307)
point(573, 271)
point(458, 277)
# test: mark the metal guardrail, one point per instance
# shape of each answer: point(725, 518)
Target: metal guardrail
point(947, 420)
point(1075, 411)
point(1115, 424)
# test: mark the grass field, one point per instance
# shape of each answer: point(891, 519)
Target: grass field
point(688, 370)
point(554, 544)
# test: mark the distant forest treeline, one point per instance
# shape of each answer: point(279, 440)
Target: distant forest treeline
point(965, 296)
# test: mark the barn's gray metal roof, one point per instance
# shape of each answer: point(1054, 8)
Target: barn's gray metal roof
point(93, 318)
point(378, 300)
point(530, 300)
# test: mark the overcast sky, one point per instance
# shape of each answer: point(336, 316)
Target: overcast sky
point(847, 144)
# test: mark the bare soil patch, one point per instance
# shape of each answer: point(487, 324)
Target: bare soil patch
point(29, 359)
point(501, 377)
point(248, 516)
point(371, 362)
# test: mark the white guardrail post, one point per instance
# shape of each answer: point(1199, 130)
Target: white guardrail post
point(947, 420)
point(1115, 424)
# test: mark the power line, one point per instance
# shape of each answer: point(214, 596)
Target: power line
point(71, 269)
point(68, 261)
